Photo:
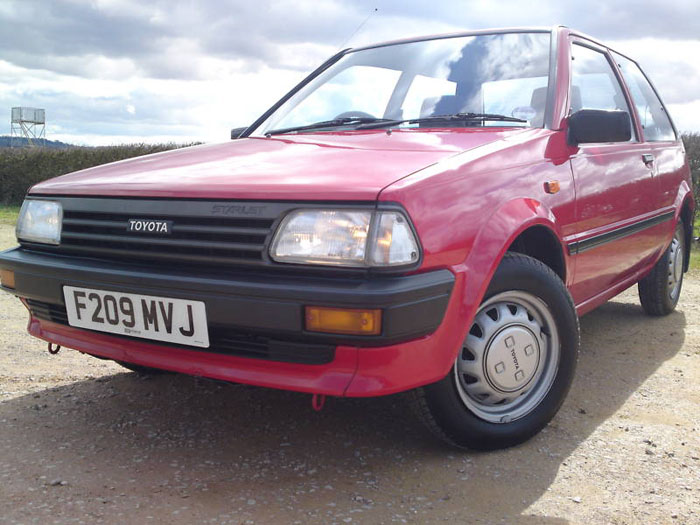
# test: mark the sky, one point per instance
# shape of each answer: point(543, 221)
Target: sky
point(114, 71)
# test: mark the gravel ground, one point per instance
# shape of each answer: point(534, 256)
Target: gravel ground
point(84, 441)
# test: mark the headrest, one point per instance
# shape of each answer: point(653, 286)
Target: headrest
point(539, 98)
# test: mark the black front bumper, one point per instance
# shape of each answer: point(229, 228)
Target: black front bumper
point(252, 303)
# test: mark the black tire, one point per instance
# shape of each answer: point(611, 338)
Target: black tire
point(442, 406)
point(143, 370)
point(660, 290)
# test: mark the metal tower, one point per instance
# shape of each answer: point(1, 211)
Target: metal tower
point(28, 123)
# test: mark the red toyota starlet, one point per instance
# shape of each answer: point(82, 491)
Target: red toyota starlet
point(428, 215)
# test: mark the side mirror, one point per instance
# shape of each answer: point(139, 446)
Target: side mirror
point(596, 125)
point(237, 132)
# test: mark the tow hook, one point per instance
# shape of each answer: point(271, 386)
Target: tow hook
point(317, 402)
point(54, 349)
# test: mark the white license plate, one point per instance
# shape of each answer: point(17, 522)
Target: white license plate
point(160, 318)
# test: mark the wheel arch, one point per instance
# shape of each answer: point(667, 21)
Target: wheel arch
point(686, 213)
point(519, 225)
point(540, 242)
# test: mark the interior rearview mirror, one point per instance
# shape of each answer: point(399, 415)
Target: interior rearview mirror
point(595, 125)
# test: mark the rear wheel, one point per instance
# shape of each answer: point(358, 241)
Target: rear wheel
point(660, 290)
point(515, 366)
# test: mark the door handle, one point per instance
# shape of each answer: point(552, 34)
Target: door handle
point(648, 158)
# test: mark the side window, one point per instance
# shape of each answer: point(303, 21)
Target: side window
point(652, 115)
point(593, 82)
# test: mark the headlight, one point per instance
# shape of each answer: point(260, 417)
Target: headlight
point(345, 238)
point(40, 221)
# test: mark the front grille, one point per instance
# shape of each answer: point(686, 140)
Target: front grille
point(222, 340)
point(214, 233)
point(208, 240)
point(55, 313)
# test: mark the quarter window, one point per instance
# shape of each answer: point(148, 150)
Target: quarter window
point(652, 114)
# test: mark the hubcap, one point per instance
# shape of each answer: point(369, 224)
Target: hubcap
point(509, 359)
point(675, 265)
point(512, 358)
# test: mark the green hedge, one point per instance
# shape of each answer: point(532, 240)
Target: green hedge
point(21, 168)
point(692, 149)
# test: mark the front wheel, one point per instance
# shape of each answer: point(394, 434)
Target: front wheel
point(516, 364)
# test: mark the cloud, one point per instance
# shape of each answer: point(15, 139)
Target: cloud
point(95, 111)
point(626, 19)
point(165, 39)
point(191, 70)
point(153, 35)
point(68, 28)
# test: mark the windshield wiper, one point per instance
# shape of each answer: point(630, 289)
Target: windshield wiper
point(455, 117)
point(335, 123)
point(374, 123)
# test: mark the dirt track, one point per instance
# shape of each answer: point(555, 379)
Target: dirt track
point(84, 441)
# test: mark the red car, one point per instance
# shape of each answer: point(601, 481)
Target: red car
point(428, 215)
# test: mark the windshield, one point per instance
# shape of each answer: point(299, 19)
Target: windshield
point(497, 75)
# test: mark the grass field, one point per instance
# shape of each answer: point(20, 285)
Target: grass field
point(8, 214)
point(695, 258)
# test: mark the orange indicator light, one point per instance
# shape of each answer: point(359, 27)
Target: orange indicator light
point(343, 320)
point(7, 278)
point(552, 186)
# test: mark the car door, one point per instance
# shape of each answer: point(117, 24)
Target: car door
point(663, 148)
point(616, 190)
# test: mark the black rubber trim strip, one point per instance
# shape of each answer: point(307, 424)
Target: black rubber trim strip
point(222, 341)
point(270, 305)
point(604, 238)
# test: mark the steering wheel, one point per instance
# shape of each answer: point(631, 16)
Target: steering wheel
point(354, 114)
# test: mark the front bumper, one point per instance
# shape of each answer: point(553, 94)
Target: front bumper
point(255, 306)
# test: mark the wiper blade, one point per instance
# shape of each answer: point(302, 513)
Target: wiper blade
point(335, 123)
point(459, 117)
point(481, 116)
point(373, 122)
